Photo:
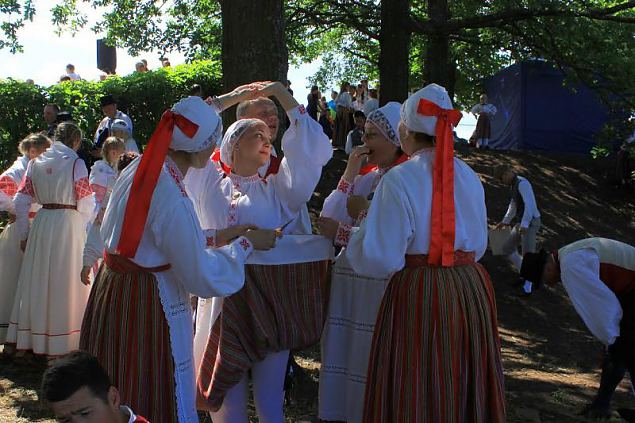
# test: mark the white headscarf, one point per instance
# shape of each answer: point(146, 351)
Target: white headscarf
point(417, 122)
point(386, 120)
point(120, 124)
point(235, 131)
point(210, 126)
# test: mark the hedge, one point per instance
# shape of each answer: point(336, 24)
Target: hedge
point(143, 96)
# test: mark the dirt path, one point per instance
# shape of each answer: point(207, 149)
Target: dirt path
point(551, 361)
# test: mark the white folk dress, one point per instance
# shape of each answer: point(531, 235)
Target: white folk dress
point(353, 305)
point(173, 236)
point(223, 200)
point(102, 179)
point(10, 252)
point(49, 304)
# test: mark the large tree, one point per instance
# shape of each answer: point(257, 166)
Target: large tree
point(458, 43)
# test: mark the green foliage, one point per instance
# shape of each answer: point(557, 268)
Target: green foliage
point(143, 96)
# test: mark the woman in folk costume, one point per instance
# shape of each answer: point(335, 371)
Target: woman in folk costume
point(283, 303)
point(435, 355)
point(50, 300)
point(354, 299)
point(102, 178)
point(343, 118)
point(121, 129)
point(138, 321)
point(10, 252)
point(483, 131)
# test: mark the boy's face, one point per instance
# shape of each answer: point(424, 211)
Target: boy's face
point(360, 122)
point(85, 407)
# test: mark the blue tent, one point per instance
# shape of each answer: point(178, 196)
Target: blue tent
point(536, 111)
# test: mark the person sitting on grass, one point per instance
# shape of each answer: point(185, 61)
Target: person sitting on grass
point(77, 389)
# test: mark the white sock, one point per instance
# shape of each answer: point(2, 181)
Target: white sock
point(527, 287)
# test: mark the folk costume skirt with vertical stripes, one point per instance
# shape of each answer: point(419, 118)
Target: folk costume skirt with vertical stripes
point(125, 328)
point(436, 350)
point(280, 307)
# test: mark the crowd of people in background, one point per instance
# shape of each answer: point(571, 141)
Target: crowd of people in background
point(187, 271)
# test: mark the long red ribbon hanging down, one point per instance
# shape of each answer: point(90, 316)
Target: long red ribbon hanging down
point(145, 180)
point(443, 216)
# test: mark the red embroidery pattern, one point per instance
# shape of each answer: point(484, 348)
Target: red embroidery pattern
point(82, 188)
point(26, 187)
point(100, 192)
point(343, 235)
point(8, 186)
point(345, 186)
point(210, 238)
point(245, 244)
point(176, 175)
point(361, 217)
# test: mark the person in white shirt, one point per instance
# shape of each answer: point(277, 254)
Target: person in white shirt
point(282, 305)
point(372, 103)
point(425, 230)
point(157, 254)
point(77, 389)
point(70, 72)
point(109, 108)
point(598, 275)
point(344, 110)
point(122, 130)
point(483, 131)
point(522, 208)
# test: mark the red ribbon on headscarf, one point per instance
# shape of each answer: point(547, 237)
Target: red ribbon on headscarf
point(145, 180)
point(443, 217)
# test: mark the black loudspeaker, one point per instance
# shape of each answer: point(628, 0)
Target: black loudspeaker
point(106, 57)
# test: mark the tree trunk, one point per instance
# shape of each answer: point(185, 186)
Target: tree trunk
point(254, 45)
point(394, 41)
point(439, 65)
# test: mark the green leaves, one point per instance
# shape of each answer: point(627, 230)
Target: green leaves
point(143, 96)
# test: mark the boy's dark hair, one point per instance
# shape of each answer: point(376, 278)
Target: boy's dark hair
point(196, 90)
point(359, 113)
point(125, 159)
point(71, 373)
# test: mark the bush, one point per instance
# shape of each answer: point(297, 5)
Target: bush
point(143, 96)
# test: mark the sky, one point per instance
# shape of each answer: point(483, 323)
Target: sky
point(46, 55)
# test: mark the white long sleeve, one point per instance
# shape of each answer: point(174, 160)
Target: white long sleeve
point(596, 304)
point(203, 272)
point(511, 212)
point(379, 246)
point(22, 203)
point(398, 221)
point(84, 196)
point(306, 151)
point(531, 209)
point(334, 205)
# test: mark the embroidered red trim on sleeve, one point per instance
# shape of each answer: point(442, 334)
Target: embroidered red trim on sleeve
point(100, 192)
point(8, 186)
point(26, 187)
point(245, 244)
point(82, 188)
point(343, 235)
point(345, 186)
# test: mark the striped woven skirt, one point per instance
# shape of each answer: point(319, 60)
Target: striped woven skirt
point(280, 307)
point(436, 350)
point(125, 328)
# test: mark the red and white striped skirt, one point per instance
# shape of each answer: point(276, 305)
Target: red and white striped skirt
point(125, 328)
point(436, 350)
point(280, 307)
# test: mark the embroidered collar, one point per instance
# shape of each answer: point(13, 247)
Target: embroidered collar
point(175, 173)
point(240, 180)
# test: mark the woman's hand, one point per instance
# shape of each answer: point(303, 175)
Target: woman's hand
point(355, 205)
point(225, 236)
point(328, 227)
point(262, 239)
point(355, 162)
point(281, 93)
point(85, 275)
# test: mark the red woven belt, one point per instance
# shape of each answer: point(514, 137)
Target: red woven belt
point(461, 258)
point(121, 264)
point(59, 206)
